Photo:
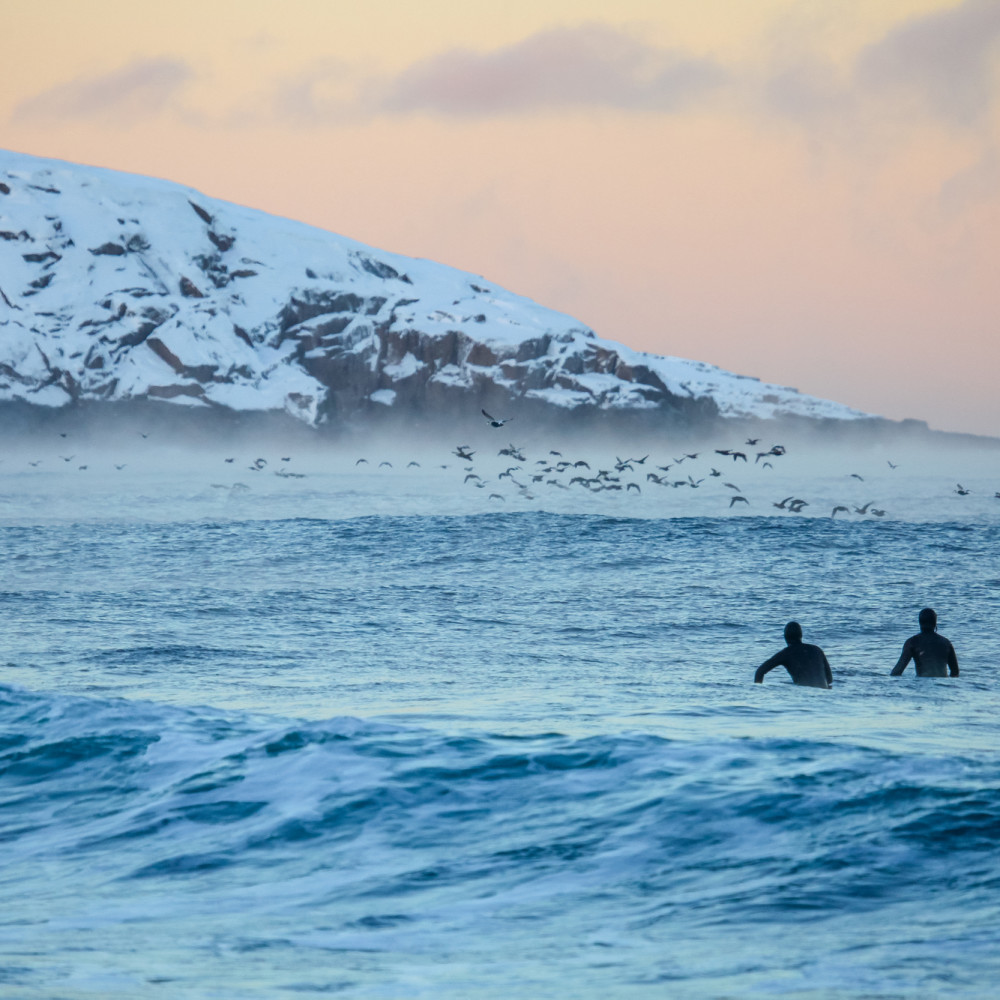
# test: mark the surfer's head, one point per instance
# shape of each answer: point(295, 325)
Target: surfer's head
point(928, 620)
point(793, 632)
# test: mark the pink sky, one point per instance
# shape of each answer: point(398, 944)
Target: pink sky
point(802, 191)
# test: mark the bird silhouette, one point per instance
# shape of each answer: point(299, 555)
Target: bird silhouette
point(494, 422)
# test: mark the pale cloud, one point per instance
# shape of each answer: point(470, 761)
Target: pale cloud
point(941, 66)
point(592, 66)
point(143, 89)
point(946, 59)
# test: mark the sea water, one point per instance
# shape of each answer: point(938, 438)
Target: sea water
point(326, 742)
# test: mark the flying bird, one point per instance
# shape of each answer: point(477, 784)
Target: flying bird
point(494, 422)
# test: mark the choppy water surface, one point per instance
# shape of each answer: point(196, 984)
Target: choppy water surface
point(494, 755)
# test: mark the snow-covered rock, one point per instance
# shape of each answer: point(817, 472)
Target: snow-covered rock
point(117, 287)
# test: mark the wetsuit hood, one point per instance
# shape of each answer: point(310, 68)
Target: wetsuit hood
point(928, 620)
point(793, 632)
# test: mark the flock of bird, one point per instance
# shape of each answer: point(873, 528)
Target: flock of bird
point(554, 471)
point(530, 478)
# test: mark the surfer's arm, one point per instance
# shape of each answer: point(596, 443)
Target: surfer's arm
point(829, 672)
point(776, 661)
point(952, 661)
point(904, 658)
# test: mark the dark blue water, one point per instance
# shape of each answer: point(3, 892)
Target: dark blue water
point(495, 755)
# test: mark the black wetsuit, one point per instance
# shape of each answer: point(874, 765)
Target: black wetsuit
point(932, 654)
point(806, 663)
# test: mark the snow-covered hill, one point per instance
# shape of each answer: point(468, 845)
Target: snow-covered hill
point(117, 287)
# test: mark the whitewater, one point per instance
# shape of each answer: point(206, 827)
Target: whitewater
point(372, 733)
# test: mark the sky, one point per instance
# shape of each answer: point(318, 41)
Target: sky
point(805, 191)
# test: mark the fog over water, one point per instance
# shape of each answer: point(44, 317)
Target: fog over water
point(143, 474)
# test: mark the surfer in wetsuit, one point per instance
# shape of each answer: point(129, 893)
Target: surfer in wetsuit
point(932, 654)
point(806, 663)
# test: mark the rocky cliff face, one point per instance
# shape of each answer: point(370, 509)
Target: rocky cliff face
point(115, 287)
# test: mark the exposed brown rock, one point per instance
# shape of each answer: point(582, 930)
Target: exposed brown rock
point(109, 250)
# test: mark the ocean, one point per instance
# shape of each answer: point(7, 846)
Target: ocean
point(370, 733)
